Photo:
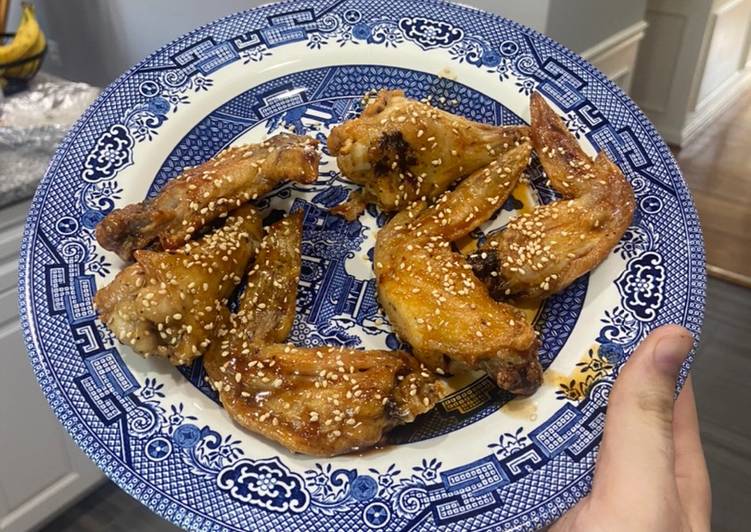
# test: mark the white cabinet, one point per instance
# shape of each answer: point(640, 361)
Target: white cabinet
point(41, 469)
point(616, 56)
point(693, 64)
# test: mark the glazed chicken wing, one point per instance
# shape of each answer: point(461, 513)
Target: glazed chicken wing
point(207, 192)
point(433, 300)
point(402, 150)
point(325, 401)
point(267, 306)
point(542, 252)
point(319, 401)
point(168, 303)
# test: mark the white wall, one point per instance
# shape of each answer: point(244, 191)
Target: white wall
point(693, 63)
point(14, 13)
point(728, 29)
point(96, 40)
point(532, 13)
point(582, 24)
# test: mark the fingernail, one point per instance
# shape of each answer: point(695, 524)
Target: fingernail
point(671, 351)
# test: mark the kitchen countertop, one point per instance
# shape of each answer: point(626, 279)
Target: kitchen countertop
point(32, 125)
point(24, 159)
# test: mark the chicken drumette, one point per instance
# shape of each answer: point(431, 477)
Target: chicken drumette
point(433, 300)
point(544, 251)
point(402, 150)
point(207, 192)
point(168, 303)
point(320, 401)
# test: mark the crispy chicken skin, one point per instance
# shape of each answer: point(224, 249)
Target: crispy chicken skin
point(402, 150)
point(542, 252)
point(433, 300)
point(168, 303)
point(318, 401)
point(207, 192)
point(325, 401)
point(267, 305)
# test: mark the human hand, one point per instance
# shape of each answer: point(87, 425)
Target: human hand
point(650, 474)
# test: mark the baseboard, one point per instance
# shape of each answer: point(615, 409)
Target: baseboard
point(623, 38)
point(672, 135)
point(715, 104)
point(727, 275)
point(616, 55)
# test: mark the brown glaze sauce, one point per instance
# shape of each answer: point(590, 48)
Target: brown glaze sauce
point(521, 408)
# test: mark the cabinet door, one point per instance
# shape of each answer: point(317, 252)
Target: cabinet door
point(41, 469)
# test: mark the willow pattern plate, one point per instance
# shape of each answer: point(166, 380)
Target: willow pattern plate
point(478, 460)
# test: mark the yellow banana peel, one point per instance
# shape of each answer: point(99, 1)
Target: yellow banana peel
point(27, 42)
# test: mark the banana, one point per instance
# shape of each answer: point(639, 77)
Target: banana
point(28, 41)
point(26, 35)
point(27, 70)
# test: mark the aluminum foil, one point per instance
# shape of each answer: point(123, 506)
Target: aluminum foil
point(32, 124)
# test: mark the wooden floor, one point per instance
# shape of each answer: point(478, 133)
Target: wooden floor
point(722, 377)
point(717, 168)
point(108, 509)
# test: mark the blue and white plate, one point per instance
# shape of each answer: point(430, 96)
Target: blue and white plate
point(479, 460)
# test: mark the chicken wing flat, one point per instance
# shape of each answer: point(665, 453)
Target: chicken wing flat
point(168, 303)
point(433, 300)
point(544, 251)
point(319, 401)
point(207, 192)
point(323, 401)
point(402, 150)
point(267, 306)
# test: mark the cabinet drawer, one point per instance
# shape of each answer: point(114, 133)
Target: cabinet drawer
point(12, 219)
point(41, 470)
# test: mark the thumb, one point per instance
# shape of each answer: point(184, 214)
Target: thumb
point(636, 463)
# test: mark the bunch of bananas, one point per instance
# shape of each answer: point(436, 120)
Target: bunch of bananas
point(21, 57)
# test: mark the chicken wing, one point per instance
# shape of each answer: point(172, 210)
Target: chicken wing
point(207, 192)
point(323, 401)
point(319, 401)
point(267, 306)
point(168, 303)
point(402, 150)
point(544, 251)
point(433, 300)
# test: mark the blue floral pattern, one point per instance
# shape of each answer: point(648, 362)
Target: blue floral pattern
point(386, 33)
point(267, 483)
point(641, 285)
point(112, 153)
point(575, 125)
point(429, 33)
point(619, 326)
point(509, 442)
